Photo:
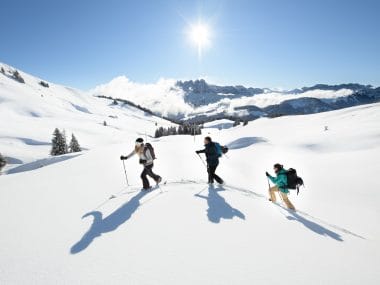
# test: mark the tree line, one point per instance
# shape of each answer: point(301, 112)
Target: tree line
point(180, 130)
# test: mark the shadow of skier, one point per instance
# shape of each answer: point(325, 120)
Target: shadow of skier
point(218, 208)
point(110, 223)
point(313, 226)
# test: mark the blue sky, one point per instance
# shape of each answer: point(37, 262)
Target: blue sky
point(282, 43)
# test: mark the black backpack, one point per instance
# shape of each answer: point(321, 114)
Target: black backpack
point(151, 149)
point(294, 182)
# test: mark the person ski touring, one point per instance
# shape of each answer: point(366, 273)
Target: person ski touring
point(212, 158)
point(146, 156)
point(281, 183)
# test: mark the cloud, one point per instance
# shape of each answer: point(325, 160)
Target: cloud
point(162, 97)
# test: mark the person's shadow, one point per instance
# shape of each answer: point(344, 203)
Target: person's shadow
point(313, 226)
point(218, 208)
point(110, 223)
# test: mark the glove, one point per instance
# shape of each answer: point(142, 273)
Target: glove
point(267, 174)
point(142, 161)
point(122, 158)
point(197, 151)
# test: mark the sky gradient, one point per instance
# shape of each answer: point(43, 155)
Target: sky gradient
point(284, 44)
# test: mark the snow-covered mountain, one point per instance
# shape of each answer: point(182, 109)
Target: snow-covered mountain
point(29, 113)
point(196, 100)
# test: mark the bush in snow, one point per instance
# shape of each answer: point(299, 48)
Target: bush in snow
point(115, 102)
point(17, 77)
point(59, 145)
point(236, 123)
point(3, 162)
point(44, 84)
point(74, 144)
point(2, 70)
point(105, 123)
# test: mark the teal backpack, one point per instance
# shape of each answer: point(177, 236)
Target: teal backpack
point(220, 150)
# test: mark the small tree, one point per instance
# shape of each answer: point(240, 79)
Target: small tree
point(115, 102)
point(3, 162)
point(44, 84)
point(17, 77)
point(74, 144)
point(236, 123)
point(58, 143)
point(104, 123)
point(2, 70)
point(245, 123)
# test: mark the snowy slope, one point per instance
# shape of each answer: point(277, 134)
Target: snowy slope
point(59, 227)
point(29, 113)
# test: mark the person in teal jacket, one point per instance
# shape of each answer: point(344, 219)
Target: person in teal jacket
point(281, 182)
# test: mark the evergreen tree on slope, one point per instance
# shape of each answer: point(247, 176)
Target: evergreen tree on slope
point(74, 144)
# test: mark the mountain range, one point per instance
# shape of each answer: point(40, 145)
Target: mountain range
point(198, 101)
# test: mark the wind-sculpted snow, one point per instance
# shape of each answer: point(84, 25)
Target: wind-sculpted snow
point(245, 142)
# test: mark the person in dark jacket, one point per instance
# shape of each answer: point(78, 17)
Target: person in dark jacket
point(212, 159)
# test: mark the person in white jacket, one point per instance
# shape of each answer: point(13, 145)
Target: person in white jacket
point(146, 159)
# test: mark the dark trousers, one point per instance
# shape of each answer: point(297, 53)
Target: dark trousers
point(148, 171)
point(211, 174)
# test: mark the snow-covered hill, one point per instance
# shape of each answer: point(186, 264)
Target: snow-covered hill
point(58, 225)
point(29, 113)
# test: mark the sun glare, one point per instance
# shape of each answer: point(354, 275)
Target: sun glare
point(200, 36)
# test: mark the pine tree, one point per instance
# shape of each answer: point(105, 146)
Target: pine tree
point(3, 162)
point(104, 123)
point(59, 145)
point(17, 77)
point(74, 144)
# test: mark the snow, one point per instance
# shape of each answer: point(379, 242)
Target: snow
point(60, 227)
point(219, 124)
point(29, 113)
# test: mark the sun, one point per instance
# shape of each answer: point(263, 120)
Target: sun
point(200, 36)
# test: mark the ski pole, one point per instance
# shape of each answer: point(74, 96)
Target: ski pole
point(202, 160)
point(125, 172)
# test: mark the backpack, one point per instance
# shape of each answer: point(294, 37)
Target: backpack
point(294, 182)
point(149, 147)
point(220, 150)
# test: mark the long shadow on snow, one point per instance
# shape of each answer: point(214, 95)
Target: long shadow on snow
point(313, 226)
point(41, 163)
point(318, 228)
point(110, 223)
point(218, 208)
